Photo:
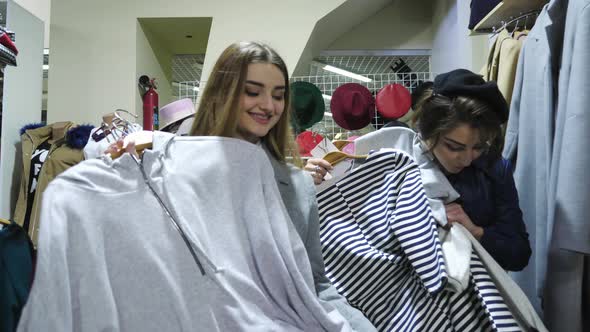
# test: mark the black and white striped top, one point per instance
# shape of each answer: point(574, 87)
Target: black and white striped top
point(382, 252)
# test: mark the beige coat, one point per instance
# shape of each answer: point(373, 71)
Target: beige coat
point(60, 158)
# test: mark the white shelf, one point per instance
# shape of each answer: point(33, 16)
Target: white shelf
point(505, 11)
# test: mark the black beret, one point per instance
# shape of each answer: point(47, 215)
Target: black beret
point(462, 82)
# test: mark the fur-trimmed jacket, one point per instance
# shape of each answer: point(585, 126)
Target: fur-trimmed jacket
point(63, 154)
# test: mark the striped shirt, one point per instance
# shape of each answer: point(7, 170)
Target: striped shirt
point(382, 252)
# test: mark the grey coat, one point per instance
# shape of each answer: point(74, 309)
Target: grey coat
point(299, 196)
point(568, 274)
point(529, 136)
point(547, 133)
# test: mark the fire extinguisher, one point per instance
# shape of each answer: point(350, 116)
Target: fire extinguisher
point(150, 103)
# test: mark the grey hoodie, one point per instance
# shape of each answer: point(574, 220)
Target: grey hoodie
point(111, 258)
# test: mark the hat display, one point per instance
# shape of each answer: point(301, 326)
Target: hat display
point(352, 106)
point(462, 82)
point(393, 101)
point(307, 104)
point(306, 141)
point(175, 111)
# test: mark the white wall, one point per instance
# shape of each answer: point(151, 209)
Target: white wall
point(21, 100)
point(452, 46)
point(400, 25)
point(93, 44)
point(147, 64)
point(41, 9)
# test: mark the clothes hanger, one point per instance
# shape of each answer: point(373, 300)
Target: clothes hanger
point(142, 139)
point(340, 143)
point(5, 222)
point(335, 157)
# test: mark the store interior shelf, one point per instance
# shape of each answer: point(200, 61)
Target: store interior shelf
point(505, 11)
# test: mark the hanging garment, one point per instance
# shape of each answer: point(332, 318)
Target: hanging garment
point(64, 153)
point(95, 149)
point(490, 70)
point(38, 158)
point(436, 186)
point(173, 243)
point(520, 306)
point(16, 274)
point(529, 138)
point(565, 307)
point(502, 62)
point(298, 194)
point(382, 252)
point(509, 52)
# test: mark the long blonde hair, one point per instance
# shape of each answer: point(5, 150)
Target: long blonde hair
point(218, 112)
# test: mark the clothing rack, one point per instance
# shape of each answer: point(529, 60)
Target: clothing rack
point(513, 22)
point(506, 11)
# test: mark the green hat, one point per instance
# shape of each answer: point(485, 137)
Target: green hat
point(308, 105)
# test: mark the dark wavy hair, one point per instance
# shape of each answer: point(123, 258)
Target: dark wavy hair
point(436, 115)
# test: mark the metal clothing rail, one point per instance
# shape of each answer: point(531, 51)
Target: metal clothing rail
point(525, 16)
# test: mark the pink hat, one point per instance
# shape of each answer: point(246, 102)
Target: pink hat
point(176, 111)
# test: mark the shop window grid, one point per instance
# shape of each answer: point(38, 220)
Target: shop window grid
point(327, 84)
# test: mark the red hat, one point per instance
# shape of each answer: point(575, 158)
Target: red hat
point(307, 141)
point(352, 106)
point(393, 101)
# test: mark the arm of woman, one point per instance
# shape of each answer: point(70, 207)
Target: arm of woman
point(507, 239)
point(324, 287)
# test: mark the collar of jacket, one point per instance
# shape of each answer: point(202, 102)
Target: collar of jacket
point(281, 170)
point(41, 134)
point(76, 137)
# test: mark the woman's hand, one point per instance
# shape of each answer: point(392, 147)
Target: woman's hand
point(318, 168)
point(455, 214)
point(119, 145)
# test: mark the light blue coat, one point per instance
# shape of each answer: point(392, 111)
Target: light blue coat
point(529, 138)
point(548, 134)
point(569, 189)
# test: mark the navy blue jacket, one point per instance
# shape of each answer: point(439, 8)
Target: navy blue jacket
point(489, 197)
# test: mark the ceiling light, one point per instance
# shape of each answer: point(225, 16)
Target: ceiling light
point(346, 73)
point(328, 114)
point(196, 88)
point(327, 97)
point(45, 67)
point(46, 51)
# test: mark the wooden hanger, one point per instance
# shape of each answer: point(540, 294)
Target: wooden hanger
point(5, 222)
point(340, 144)
point(335, 157)
point(142, 139)
point(108, 118)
